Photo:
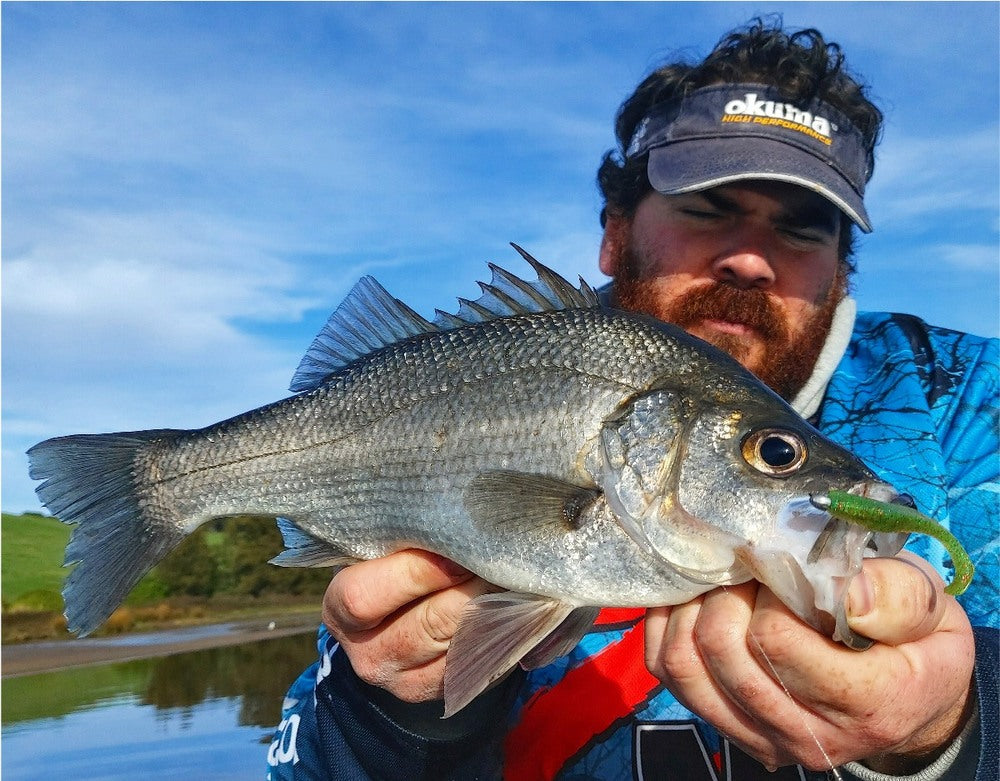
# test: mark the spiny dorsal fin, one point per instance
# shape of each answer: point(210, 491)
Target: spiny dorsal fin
point(369, 318)
point(507, 295)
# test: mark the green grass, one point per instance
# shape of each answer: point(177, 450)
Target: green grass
point(226, 559)
point(31, 555)
point(32, 548)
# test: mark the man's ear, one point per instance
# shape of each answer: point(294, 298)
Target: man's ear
point(613, 243)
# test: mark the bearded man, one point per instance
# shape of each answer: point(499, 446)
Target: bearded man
point(731, 207)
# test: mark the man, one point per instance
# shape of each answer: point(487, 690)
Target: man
point(729, 210)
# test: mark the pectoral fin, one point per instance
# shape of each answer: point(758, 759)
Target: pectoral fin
point(521, 502)
point(499, 630)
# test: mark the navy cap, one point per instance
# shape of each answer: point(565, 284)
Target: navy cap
point(731, 132)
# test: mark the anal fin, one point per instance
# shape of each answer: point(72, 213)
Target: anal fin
point(304, 550)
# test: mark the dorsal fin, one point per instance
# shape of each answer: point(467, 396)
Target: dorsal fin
point(507, 295)
point(367, 320)
point(370, 318)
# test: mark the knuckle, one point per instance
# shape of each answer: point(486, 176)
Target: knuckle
point(776, 639)
point(369, 670)
point(437, 622)
point(884, 734)
point(916, 601)
point(677, 661)
point(798, 746)
point(422, 685)
point(811, 757)
point(748, 690)
point(416, 565)
point(349, 604)
point(409, 685)
point(718, 639)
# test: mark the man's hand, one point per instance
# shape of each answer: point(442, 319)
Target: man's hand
point(395, 617)
point(738, 657)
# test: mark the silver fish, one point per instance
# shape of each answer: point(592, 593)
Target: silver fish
point(574, 455)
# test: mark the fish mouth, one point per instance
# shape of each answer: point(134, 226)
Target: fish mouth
point(839, 536)
point(812, 556)
point(878, 543)
point(877, 490)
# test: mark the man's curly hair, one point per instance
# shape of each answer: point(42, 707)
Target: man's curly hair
point(802, 65)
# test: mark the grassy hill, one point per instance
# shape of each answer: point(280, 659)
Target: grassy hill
point(221, 568)
point(31, 557)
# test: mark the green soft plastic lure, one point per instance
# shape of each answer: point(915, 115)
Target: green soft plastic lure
point(885, 517)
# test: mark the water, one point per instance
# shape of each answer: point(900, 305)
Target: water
point(203, 714)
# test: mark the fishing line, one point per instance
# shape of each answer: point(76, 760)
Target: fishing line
point(834, 773)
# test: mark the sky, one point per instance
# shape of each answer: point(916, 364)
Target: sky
point(188, 189)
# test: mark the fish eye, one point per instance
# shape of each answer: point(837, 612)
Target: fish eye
point(775, 452)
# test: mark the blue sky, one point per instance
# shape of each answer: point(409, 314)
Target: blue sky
point(189, 189)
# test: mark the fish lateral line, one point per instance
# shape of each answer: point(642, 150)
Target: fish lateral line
point(895, 518)
point(156, 481)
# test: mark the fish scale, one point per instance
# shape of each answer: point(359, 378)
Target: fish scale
point(574, 455)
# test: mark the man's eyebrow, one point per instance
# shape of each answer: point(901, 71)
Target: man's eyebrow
point(719, 201)
point(817, 215)
point(811, 212)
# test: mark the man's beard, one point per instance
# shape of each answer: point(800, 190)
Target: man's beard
point(788, 358)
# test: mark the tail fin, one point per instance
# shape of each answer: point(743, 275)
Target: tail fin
point(91, 480)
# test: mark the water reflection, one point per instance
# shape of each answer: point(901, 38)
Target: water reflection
point(204, 714)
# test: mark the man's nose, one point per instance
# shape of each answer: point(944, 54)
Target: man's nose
point(745, 261)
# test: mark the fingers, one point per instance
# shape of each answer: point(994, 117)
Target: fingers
point(833, 681)
point(395, 616)
point(898, 600)
point(705, 653)
point(363, 595)
point(406, 653)
point(907, 695)
point(788, 694)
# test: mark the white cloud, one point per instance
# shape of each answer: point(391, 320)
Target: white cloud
point(970, 257)
point(124, 321)
point(176, 274)
point(929, 175)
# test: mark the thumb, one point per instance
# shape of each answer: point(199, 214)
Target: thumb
point(897, 600)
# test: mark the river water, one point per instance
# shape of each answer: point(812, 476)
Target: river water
point(200, 715)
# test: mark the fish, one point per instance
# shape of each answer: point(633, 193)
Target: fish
point(575, 455)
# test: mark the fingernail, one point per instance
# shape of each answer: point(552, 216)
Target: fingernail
point(860, 596)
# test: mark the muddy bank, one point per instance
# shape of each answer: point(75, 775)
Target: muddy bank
point(36, 657)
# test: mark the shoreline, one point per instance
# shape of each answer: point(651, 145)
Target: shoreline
point(31, 658)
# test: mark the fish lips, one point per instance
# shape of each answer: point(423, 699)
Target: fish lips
point(811, 557)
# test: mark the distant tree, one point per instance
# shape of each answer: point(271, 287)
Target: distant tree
point(251, 543)
point(190, 569)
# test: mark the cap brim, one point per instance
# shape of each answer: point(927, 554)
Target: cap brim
point(698, 164)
